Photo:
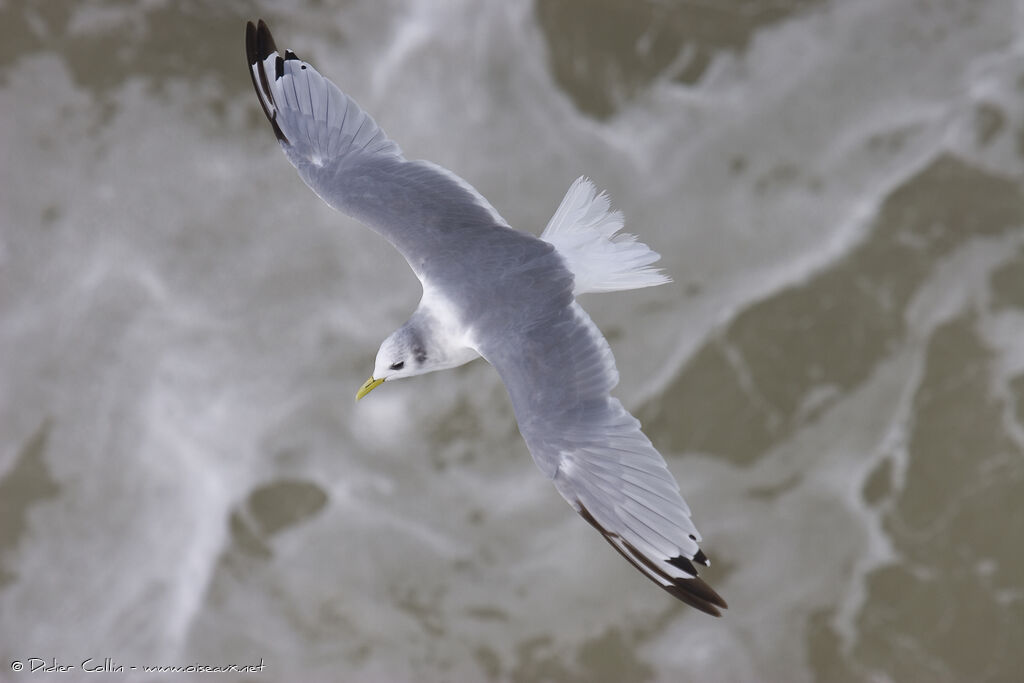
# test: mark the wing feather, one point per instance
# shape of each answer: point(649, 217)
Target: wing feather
point(559, 372)
point(346, 158)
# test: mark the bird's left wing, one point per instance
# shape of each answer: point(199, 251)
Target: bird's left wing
point(346, 158)
point(558, 371)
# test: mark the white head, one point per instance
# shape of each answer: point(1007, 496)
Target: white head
point(415, 348)
point(402, 354)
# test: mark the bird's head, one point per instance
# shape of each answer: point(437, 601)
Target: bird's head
point(403, 354)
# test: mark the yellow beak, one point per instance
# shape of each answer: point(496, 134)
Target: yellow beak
point(368, 386)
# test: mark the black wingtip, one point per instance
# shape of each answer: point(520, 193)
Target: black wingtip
point(266, 40)
point(694, 591)
point(259, 44)
point(697, 593)
point(683, 563)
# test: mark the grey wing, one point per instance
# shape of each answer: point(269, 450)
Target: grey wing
point(559, 372)
point(345, 157)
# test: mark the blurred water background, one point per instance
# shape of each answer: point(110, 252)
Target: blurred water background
point(836, 377)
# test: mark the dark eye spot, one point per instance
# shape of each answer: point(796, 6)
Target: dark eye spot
point(398, 366)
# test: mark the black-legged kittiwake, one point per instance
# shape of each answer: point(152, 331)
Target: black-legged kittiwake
point(505, 295)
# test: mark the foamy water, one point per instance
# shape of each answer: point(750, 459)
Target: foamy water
point(836, 378)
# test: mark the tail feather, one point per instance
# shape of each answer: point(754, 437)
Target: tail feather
point(583, 230)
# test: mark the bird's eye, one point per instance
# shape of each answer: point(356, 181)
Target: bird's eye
point(398, 366)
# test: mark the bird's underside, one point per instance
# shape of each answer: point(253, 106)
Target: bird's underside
point(555, 363)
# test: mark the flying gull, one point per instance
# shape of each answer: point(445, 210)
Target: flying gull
point(505, 295)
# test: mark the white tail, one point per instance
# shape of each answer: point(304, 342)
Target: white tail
point(583, 230)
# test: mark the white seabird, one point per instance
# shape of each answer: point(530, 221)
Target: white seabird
point(505, 295)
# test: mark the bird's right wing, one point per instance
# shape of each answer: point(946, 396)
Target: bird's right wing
point(558, 372)
point(345, 157)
